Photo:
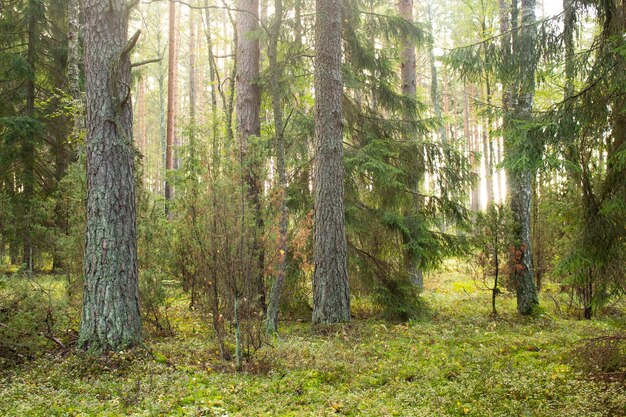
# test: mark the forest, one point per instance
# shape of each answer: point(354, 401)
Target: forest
point(312, 208)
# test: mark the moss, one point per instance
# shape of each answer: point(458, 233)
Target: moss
point(456, 362)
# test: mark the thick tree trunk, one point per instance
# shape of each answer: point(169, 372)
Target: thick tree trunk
point(110, 316)
point(520, 189)
point(249, 124)
point(331, 297)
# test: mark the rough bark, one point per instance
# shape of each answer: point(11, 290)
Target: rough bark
point(110, 316)
point(248, 104)
point(331, 298)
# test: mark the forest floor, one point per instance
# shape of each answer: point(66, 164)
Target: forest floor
point(455, 361)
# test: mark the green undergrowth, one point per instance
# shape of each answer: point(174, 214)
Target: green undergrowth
point(455, 360)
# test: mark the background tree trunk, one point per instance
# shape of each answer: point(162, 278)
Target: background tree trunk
point(248, 103)
point(162, 89)
point(214, 89)
point(177, 140)
point(73, 60)
point(171, 100)
point(110, 316)
point(192, 82)
point(142, 128)
point(488, 152)
point(474, 147)
point(331, 298)
point(408, 76)
point(283, 222)
point(28, 147)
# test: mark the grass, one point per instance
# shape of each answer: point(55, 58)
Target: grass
point(455, 361)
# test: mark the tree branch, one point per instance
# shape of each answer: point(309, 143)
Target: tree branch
point(147, 61)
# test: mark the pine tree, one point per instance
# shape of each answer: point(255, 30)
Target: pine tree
point(171, 100)
point(331, 297)
point(110, 316)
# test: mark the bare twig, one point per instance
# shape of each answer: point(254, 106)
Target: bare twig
point(147, 61)
point(47, 335)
